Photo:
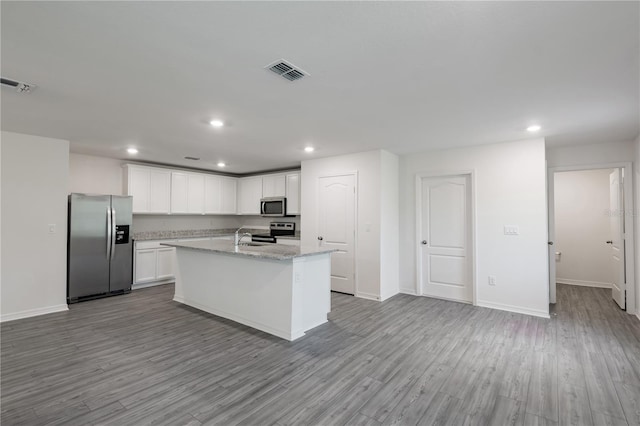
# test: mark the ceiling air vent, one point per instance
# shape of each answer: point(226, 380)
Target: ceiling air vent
point(20, 86)
point(287, 70)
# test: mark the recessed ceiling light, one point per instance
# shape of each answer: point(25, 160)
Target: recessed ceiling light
point(221, 164)
point(309, 149)
point(216, 123)
point(132, 150)
point(533, 128)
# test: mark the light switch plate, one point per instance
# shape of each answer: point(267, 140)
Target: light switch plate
point(511, 230)
point(52, 228)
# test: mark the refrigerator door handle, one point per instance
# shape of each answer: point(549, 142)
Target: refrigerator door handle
point(109, 233)
point(113, 232)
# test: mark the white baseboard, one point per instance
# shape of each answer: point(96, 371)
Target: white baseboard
point(151, 284)
point(583, 283)
point(638, 315)
point(368, 296)
point(410, 291)
point(33, 312)
point(515, 309)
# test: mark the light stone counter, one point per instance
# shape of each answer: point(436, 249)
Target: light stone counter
point(263, 251)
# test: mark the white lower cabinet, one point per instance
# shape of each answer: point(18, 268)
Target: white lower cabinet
point(153, 263)
point(166, 261)
point(145, 267)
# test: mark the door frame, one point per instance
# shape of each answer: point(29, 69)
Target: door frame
point(355, 221)
point(629, 234)
point(472, 244)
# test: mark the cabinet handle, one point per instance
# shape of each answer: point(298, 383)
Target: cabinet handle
point(424, 242)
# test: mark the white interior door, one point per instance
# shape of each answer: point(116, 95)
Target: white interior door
point(616, 220)
point(336, 228)
point(445, 238)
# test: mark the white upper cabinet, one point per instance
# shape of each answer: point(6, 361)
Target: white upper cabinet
point(229, 190)
point(149, 187)
point(293, 193)
point(273, 186)
point(187, 193)
point(179, 185)
point(213, 194)
point(168, 191)
point(249, 195)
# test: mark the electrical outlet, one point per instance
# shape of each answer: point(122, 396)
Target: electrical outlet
point(492, 280)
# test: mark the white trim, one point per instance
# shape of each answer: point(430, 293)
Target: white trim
point(410, 291)
point(223, 314)
point(638, 315)
point(630, 200)
point(33, 312)
point(515, 309)
point(356, 198)
point(473, 243)
point(152, 284)
point(368, 296)
point(581, 283)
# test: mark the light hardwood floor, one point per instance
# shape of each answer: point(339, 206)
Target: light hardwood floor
point(142, 358)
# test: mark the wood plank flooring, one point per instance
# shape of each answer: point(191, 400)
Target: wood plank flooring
point(143, 359)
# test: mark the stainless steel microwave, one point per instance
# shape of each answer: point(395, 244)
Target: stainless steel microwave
point(273, 206)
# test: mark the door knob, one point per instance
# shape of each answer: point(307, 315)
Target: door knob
point(550, 243)
point(320, 238)
point(609, 242)
point(424, 242)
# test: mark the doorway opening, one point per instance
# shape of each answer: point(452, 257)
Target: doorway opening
point(590, 235)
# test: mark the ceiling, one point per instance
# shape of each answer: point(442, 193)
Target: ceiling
point(402, 76)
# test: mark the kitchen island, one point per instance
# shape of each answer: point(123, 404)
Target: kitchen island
point(281, 290)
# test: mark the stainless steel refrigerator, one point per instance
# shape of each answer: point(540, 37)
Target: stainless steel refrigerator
point(99, 247)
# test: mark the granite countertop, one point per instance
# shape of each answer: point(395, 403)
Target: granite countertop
point(200, 233)
point(266, 251)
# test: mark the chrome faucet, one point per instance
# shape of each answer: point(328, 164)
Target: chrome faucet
point(238, 237)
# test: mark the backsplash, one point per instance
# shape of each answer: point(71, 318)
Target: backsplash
point(156, 223)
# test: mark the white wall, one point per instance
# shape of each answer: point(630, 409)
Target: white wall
point(636, 214)
point(510, 189)
point(585, 155)
point(582, 228)
point(370, 228)
point(35, 181)
point(89, 174)
point(389, 225)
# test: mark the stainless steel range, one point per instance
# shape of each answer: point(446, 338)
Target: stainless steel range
point(276, 229)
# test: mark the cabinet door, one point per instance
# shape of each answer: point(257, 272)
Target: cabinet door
point(179, 194)
point(293, 194)
point(249, 192)
point(145, 265)
point(229, 190)
point(195, 193)
point(166, 258)
point(273, 186)
point(213, 194)
point(159, 191)
point(138, 188)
